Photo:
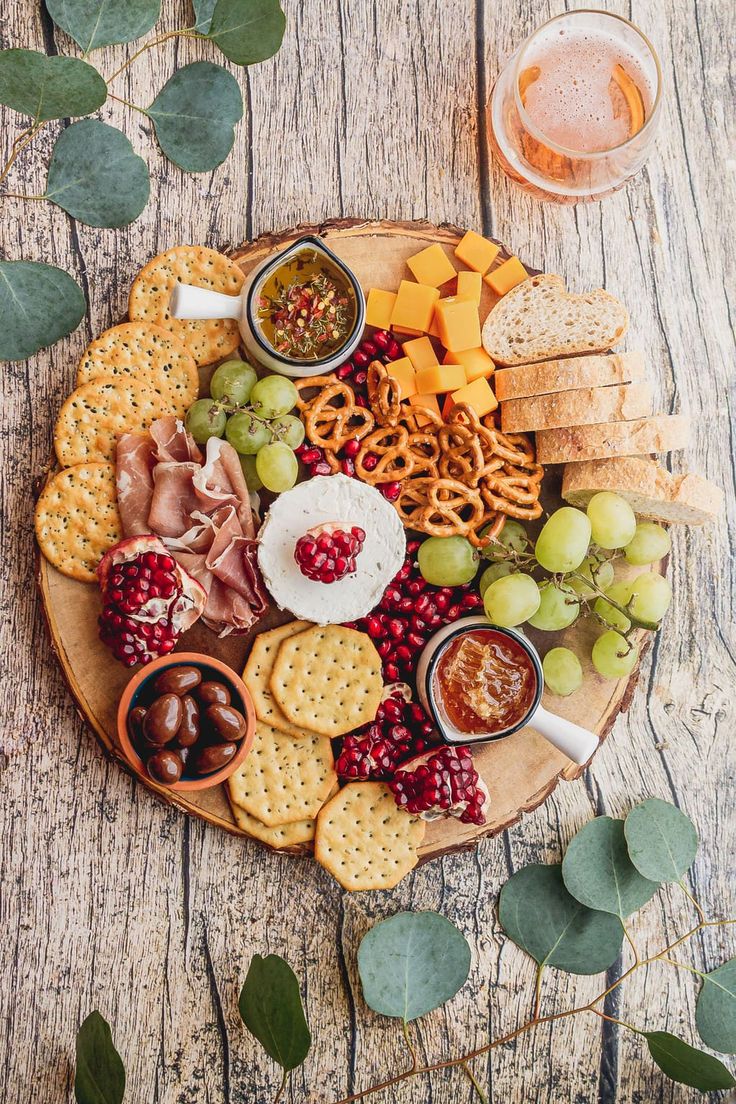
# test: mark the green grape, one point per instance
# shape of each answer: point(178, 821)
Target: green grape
point(495, 571)
point(246, 434)
point(273, 396)
point(651, 595)
point(288, 429)
point(248, 464)
point(512, 536)
point(596, 571)
point(650, 542)
point(233, 381)
point(563, 543)
point(277, 467)
point(204, 419)
point(447, 561)
point(613, 657)
point(563, 674)
point(612, 520)
point(511, 600)
point(558, 607)
point(620, 592)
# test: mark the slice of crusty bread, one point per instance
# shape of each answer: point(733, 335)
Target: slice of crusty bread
point(538, 320)
point(564, 375)
point(651, 490)
point(586, 406)
point(661, 433)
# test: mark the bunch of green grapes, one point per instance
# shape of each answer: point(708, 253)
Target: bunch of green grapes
point(253, 415)
point(570, 570)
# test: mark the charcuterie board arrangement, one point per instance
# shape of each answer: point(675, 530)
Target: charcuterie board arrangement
point(355, 537)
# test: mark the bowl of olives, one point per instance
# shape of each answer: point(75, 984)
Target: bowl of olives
point(186, 721)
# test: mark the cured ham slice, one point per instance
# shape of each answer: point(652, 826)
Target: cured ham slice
point(134, 477)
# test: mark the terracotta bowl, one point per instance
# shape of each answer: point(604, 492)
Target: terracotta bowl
point(211, 668)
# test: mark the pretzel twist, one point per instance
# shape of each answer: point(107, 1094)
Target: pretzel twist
point(332, 417)
point(384, 394)
point(390, 444)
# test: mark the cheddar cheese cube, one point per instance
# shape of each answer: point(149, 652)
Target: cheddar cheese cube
point(402, 371)
point(429, 401)
point(407, 330)
point(414, 306)
point(478, 395)
point(440, 378)
point(476, 363)
point(476, 252)
point(432, 266)
point(458, 323)
point(421, 353)
point(506, 276)
point(379, 307)
point(469, 286)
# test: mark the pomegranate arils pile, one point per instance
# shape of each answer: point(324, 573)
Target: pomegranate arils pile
point(441, 783)
point(401, 729)
point(327, 553)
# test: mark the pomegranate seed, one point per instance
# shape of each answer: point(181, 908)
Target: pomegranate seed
point(311, 455)
point(344, 371)
point(390, 491)
point(396, 628)
point(347, 467)
point(321, 468)
point(391, 671)
point(382, 338)
point(352, 448)
point(374, 627)
point(361, 359)
point(370, 461)
point(393, 349)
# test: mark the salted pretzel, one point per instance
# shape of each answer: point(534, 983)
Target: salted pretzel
point(425, 450)
point(332, 417)
point(440, 507)
point(384, 394)
point(390, 445)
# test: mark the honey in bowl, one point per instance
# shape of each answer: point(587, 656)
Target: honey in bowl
point(484, 682)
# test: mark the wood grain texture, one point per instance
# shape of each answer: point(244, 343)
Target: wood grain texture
point(372, 109)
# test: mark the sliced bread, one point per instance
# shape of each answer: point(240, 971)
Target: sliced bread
point(539, 319)
point(564, 375)
point(651, 490)
point(585, 406)
point(661, 433)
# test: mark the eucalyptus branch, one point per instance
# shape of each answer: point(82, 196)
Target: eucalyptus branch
point(24, 138)
point(474, 1082)
point(186, 32)
point(134, 107)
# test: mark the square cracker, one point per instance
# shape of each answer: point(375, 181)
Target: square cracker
point(328, 678)
point(95, 414)
point(77, 519)
point(257, 675)
point(364, 839)
point(292, 834)
point(283, 780)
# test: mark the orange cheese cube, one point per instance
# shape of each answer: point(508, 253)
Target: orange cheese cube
point(420, 352)
point(477, 395)
point(476, 252)
point(406, 330)
point(458, 323)
point(432, 266)
point(429, 401)
point(469, 286)
point(414, 306)
point(403, 372)
point(476, 363)
point(378, 308)
point(440, 378)
point(506, 276)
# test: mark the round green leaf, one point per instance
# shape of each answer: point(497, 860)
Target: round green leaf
point(96, 176)
point(95, 23)
point(541, 917)
point(687, 1065)
point(247, 31)
point(194, 115)
point(100, 1074)
point(662, 841)
point(715, 1014)
point(271, 1008)
point(38, 305)
point(411, 963)
point(49, 87)
point(203, 10)
point(598, 872)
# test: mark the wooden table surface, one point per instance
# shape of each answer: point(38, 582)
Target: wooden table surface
point(373, 108)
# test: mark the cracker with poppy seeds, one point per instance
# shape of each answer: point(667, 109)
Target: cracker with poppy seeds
point(208, 339)
point(257, 675)
point(98, 412)
point(77, 519)
point(364, 839)
point(292, 834)
point(328, 679)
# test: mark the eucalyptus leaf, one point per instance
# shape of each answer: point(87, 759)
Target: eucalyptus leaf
point(49, 87)
point(247, 31)
point(411, 963)
point(271, 1008)
point(100, 1074)
point(715, 1013)
point(203, 10)
point(662, 842)
point(95, 23)
point(541, 917)
point(687, 1065)
point(38, 305)
point(598, 872)
point(96, 176)
point(195, 114)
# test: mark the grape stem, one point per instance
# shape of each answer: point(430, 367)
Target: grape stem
point(239, 408)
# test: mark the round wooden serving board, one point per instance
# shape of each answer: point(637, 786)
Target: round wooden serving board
point(520, 771)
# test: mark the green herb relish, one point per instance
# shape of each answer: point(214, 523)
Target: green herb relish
point(306, 307)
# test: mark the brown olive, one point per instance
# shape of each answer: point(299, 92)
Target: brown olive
point(213, 693)
point(165, 767)
point(177, 680)
point(162, 720)
point(226, 722)
point(188, 733)
point(135, 722)
point(207, 759)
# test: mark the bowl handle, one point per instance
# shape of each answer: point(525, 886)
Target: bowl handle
point(196, 302)
point(573, 741)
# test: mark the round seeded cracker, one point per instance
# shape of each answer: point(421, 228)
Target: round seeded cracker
point(95, 414)
point(77, 519)
point(207, 340)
